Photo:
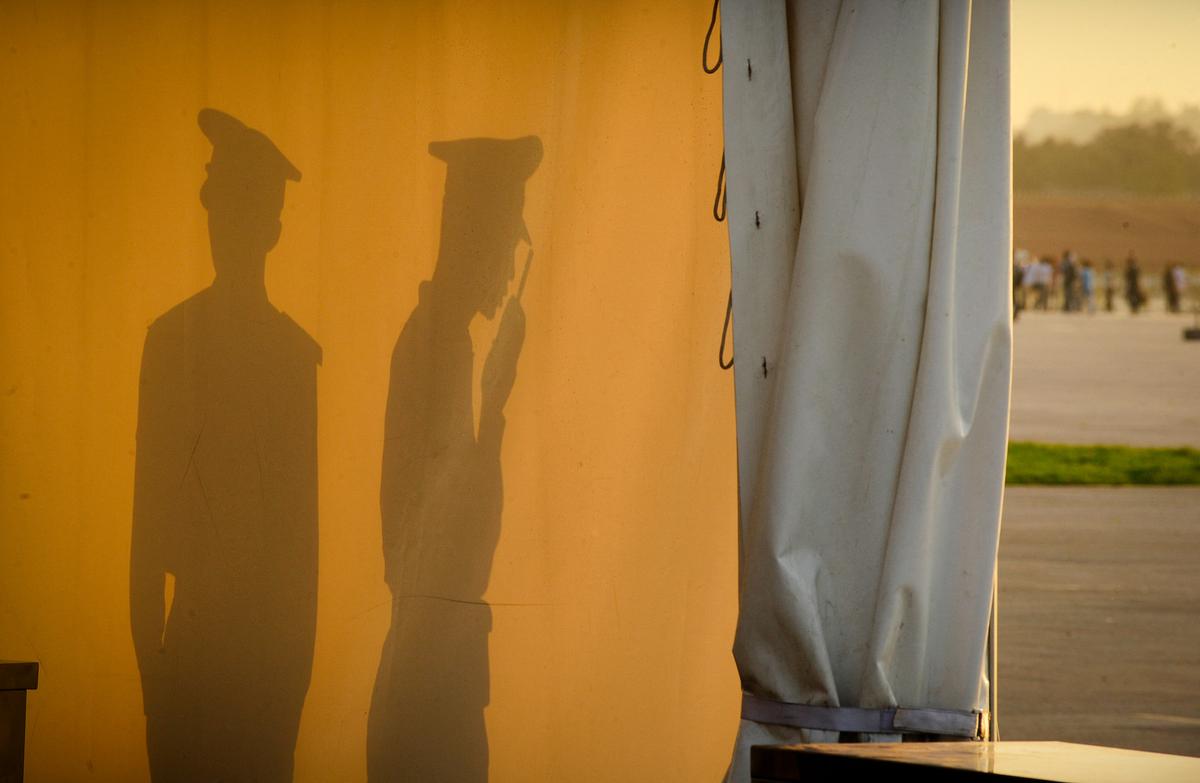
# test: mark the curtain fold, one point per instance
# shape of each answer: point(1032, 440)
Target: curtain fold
point(869, 208)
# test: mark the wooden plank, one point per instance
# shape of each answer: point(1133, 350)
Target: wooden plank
point(1052, 762)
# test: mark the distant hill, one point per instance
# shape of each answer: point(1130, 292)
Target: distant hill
point(1080, 127)
point(1158, 160)
point(1146, 151)
point(1104, 184)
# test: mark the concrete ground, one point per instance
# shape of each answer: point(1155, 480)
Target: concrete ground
point(1107, 378)
point(1100, 616)
point(1100, 589)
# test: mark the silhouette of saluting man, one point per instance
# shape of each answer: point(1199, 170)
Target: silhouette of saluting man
point(441, 492)
point(223, 563)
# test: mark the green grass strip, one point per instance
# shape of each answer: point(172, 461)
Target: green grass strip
point(1059, 464)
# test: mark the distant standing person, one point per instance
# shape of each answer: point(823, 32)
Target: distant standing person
point(1133, 289)
point(1069, 274)
point(1170, 292)
point(1110, 288)
point(1087, 286)
point(1181, 284)
point(1044, 274)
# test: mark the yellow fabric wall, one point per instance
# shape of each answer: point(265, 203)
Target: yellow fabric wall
point(613, 587)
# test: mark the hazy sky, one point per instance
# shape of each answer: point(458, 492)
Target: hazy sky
point(1102, 54)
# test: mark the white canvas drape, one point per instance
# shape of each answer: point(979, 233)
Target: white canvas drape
point(869, 209)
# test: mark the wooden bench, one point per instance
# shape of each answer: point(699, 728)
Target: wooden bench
point(988, 762)
point(16, 678)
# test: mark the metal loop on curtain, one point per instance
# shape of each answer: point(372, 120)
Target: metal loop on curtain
point(712, 24)
point(724, 334)
point(719, 197)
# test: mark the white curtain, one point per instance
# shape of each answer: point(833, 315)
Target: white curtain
point(869, 209)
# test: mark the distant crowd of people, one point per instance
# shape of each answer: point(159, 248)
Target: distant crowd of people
point(1072, 284)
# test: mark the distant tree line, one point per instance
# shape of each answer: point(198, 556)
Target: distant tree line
point(1146, 159)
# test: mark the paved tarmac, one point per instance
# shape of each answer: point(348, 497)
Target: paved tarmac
point(1106, 378)
point(1100, 616)
point(1100, 586)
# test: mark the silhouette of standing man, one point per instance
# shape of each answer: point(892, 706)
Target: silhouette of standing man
point(441, 492)
point(223, 562)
